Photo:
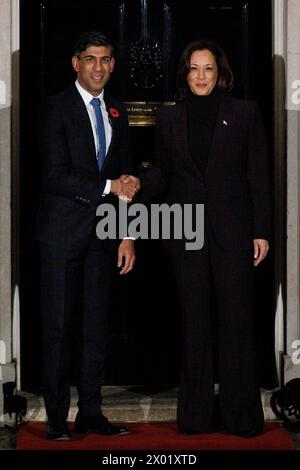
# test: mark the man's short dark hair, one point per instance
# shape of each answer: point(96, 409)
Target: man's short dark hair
point(91, 38)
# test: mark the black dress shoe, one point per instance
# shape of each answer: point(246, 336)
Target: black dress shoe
point(57, 432)
point(98, 425)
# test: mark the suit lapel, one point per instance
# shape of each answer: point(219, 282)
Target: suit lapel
point(112, 122)
point(180, 135)
point(83, 128)
point(224, 124)
point(222, 132)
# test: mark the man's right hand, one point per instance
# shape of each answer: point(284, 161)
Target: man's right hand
point(125, 187)
point(129, 179)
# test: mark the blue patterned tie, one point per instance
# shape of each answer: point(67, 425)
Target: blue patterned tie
point(95, 102)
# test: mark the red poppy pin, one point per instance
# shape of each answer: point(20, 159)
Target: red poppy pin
point(114, 112)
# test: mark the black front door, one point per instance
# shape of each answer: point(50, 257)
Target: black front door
point(149, 36)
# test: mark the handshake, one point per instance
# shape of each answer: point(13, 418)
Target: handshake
point(125, 187)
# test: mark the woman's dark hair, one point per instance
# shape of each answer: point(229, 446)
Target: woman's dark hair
point(91, 38)
point(225, 75)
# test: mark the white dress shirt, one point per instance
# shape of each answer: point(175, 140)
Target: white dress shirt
point(87, 98)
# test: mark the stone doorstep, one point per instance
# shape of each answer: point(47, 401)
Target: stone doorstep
point(121, 404)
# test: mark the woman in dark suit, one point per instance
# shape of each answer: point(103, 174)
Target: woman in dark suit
point(211, 150)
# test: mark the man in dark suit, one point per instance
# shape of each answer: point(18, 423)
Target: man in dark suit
point(84, 147)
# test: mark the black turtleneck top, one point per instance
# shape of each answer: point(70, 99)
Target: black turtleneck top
point(202, 114)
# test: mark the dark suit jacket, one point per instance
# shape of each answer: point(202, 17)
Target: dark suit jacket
point(72, 184)
point(236, 186)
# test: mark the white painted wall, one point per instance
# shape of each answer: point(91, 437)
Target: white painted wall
point(293, 181)
point(7, 367)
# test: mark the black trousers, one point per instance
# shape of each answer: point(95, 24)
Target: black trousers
point(73, 279)
point(228, 276)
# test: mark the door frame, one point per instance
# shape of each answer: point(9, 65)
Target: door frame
point(286, 263)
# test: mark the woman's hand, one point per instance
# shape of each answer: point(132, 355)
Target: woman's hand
point(261, 248)
point(125, 187)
